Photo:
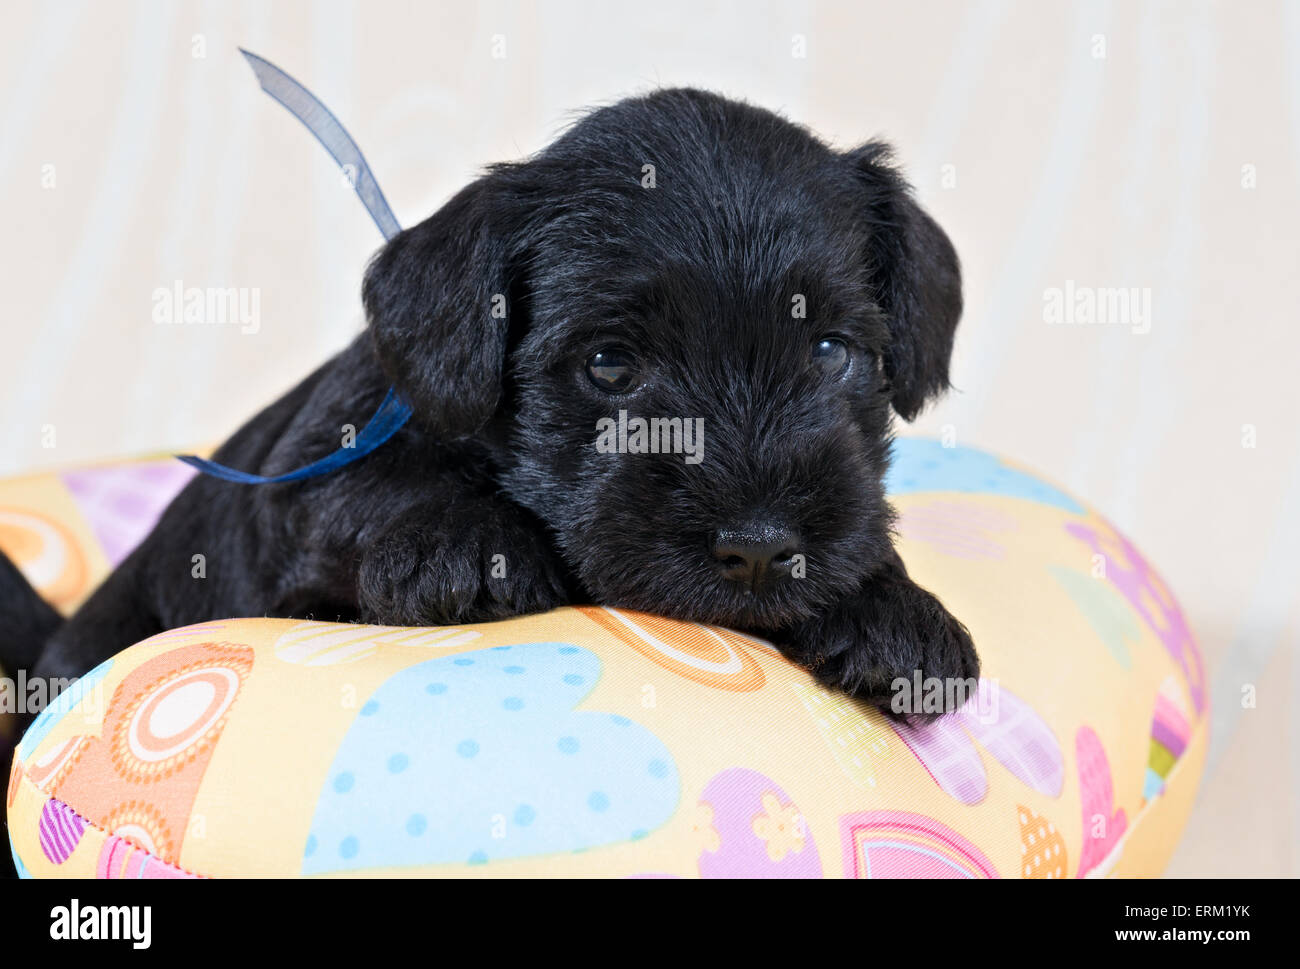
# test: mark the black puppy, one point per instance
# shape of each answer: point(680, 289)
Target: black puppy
point(679, 257)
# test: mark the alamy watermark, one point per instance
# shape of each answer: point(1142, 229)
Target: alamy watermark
point(208, 306)
point(933, 694)
point(1074, 305)
point(31, 695)
point(75, 922)
point(655, 435)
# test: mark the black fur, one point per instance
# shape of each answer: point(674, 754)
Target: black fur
point(697, 275)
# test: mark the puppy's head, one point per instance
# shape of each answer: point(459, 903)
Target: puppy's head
point(682, 328)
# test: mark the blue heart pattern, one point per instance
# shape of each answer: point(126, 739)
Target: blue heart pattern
point(921, 465)
point(481, 756)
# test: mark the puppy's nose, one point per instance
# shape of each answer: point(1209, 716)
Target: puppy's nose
point(755, 554)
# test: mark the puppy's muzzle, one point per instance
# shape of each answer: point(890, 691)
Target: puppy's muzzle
point(755, 555)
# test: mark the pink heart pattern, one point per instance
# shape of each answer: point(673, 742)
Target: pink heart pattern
point(1102, 830)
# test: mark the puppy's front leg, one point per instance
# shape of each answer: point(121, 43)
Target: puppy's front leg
point(469, 560)
point(889, 628)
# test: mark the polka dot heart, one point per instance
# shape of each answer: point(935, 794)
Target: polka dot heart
point(481, 756)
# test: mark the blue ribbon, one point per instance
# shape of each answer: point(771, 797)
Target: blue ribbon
point(393, 412)
point(390, 416)
point(320, 121)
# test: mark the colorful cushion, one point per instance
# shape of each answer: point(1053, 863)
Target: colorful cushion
point(599, 741)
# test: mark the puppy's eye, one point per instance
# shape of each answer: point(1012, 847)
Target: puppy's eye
point(830, 357)
point(613, 371)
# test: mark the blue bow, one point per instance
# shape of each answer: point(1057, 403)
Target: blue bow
point(393, 412)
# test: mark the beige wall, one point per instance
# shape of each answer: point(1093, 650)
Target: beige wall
point(127, 163)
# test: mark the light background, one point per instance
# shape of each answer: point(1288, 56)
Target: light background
point(1126, 170)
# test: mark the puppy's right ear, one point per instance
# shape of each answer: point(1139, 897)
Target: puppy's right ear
point(436, 302)
point(919, 280)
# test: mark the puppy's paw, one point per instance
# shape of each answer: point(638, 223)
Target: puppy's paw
point(891, 629)
point(464, 568)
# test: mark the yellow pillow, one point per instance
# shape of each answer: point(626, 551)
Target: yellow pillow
point(599, 741)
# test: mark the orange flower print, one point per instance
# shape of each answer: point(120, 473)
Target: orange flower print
point(780, 826)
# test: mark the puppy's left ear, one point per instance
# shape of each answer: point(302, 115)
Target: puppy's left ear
point(918, 279)
point(435, 299)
